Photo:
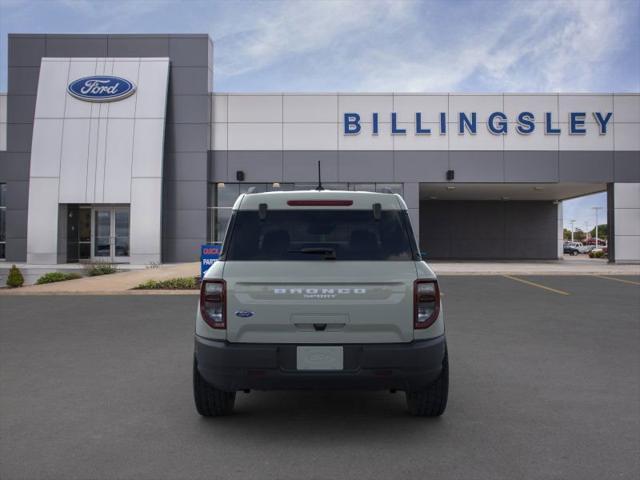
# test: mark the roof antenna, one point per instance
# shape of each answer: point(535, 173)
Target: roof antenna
point(319, 187)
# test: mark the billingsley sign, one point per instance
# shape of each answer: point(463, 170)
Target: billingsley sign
point(497, 123)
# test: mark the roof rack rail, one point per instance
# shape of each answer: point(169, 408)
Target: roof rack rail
point(386, 190)
point(251, 190)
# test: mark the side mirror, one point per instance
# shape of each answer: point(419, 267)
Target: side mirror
point(423, 254)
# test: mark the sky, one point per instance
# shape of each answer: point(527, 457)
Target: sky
point(378, 45)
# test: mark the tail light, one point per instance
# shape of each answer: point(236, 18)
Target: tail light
point(213, 303)
point(426, 303)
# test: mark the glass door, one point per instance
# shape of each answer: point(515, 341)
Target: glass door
point(120, 247)
point(111, 234)
point(102, 234)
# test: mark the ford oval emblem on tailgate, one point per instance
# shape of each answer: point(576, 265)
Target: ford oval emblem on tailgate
point(244, 314)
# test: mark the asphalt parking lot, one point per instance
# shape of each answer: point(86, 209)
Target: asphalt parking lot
point(545, 384)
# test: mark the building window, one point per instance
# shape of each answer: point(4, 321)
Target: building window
point(3, 220)
point(222, 196)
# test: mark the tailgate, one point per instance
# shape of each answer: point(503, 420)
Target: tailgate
point(319, 302)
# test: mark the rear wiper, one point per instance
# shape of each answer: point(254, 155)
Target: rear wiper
point(329, 253)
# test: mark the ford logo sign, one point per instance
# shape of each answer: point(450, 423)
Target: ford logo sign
point(101, 88)
point(244, 314)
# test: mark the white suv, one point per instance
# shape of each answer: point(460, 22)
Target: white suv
point(320, 290)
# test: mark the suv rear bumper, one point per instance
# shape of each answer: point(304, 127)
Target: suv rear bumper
point(240, 366)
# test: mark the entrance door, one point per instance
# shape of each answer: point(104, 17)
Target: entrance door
point(111, 234)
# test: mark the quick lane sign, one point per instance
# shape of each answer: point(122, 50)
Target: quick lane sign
point(209, 253)
point(467, 123)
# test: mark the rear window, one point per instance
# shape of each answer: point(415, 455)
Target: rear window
point(319, 235)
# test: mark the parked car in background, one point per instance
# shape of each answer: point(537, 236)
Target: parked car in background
point(599, 252)
point(592, 241)
point(573, 248)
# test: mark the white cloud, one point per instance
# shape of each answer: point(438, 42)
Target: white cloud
point(532, 46)
point(297, 29)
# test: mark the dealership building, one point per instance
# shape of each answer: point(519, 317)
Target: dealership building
point(117, 148)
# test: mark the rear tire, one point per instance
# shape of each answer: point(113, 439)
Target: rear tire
point(432, 401)
point(210, 402)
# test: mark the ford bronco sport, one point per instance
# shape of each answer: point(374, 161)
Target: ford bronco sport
point(320, 290)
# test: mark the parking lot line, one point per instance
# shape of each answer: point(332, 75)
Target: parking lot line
point(534, 284)
point(631, 282)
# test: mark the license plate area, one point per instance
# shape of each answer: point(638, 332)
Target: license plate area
point(312, 358)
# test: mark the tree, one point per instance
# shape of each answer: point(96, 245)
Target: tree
point(579, 235)
point(603, 231)
point(15, 278)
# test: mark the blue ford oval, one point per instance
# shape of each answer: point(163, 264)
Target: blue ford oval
point(101, 88)
point(244, 314)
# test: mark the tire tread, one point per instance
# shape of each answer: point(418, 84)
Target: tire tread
point(432, 401)
point(210, 402)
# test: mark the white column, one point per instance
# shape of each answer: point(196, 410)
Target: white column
point(42, 221)
point(626, 222)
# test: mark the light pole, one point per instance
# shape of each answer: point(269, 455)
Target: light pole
point(586, 231)
point(596, 209)
point(572, 222)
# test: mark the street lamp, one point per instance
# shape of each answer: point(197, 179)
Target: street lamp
point(596, 210)
point(572, 222)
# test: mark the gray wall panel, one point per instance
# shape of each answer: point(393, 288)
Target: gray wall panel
point(528, 228)
point(259, 165)
point(365, 166)
point(185, 195)
point(23, 80)
point(17, 247)
point(302, 166)
point(189, 51)
point(529, 166)
point(187, 137)
point(188, 80)
point(218, 164)
point(188, 109)
point(17, 194)
point(477, 166)
point(488, 230)
point(16, 222)
point(182, 249)
point(76, 46)
point(138, 46)
point(4, 170)
point(22, 108)
point(626, 166)
point(19, 137)
point(186, 223)
point(15, 167)
point(185, 166)
point(611, 222)
point(428, 165)
point(186, 147)
point(586, 166)
point(26, 50)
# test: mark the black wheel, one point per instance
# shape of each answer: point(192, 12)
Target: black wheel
point(574, 253)
point(432, 401)
point(210, 402)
